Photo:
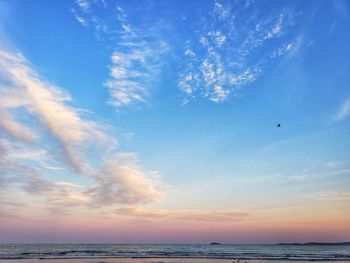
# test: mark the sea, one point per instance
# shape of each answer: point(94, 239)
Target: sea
point(236, 253)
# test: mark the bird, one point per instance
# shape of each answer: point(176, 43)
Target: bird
point(278, 125)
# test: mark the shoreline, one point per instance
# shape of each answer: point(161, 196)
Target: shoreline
point(114, 259)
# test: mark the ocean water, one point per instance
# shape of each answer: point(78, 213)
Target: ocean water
point(247, 252)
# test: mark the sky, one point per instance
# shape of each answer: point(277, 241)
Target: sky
point(148, 121)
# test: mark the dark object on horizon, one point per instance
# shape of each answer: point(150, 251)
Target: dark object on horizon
point(215, 243)
point(278, 125)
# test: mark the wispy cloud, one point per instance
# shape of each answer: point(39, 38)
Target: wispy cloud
point(344, 111)
point(333, 197)
point(130, 76)
point(16, 129)
point(83, 4)
point(135, 64)
point(84, 12)
point(136, 60)
point(231, 50)
point(36, 119)
point(80, 19)
point(49, 105)
point(183, 215)
point(121, 180)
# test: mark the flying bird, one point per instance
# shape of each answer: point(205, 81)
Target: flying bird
point(278, 125)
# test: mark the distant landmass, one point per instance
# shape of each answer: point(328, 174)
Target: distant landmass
point(316, 244)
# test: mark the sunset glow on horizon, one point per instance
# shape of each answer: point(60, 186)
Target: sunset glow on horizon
point(174, 121)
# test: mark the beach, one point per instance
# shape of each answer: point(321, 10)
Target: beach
point(154, 260)
point(171, 253)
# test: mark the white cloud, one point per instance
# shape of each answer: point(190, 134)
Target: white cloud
point(120, 180)
point(276, 30)
point(344, 111)
point(50, 106)
point(127, 82)
point(204, 41)
point(81, 20)
point(231, 50)
point(285, 48)
point(220, 11)
point(81, 11)
point(83, 4)
point(85, 13)
point(15, 128)
point(36, 119)
point(218, 38)
point(248, 3)
point(135, 65)
point(219, 94)
point(190, 53)
point(208, 72)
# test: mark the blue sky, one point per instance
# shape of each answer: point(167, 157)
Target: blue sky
point(170, 107)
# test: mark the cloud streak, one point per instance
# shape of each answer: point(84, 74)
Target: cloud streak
point(183, 215)
point(333, 197)
point(14, 128)
point(47, 104)
point(36, 118)
point(344, 111)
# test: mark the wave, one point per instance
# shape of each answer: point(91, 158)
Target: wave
point(242, 252)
